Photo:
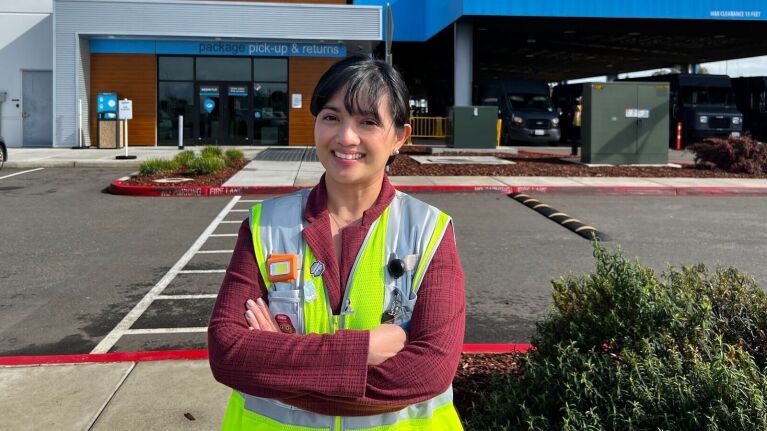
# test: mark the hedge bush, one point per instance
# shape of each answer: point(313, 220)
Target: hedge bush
point(156, 166)
point(736, 155)
point(625, 349)
point(206, 165)
point(211, 151)
point(233, 155)
point(183, 158)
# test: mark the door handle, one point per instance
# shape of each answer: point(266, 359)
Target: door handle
point(25, 115)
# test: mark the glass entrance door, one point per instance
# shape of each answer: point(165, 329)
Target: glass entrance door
point(238, 122)
point(210, 113)
point(223, 114)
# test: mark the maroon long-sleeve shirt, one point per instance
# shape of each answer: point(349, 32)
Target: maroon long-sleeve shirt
point(328, 373)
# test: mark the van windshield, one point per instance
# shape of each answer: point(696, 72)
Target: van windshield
point(707, 96)
point(530, 102)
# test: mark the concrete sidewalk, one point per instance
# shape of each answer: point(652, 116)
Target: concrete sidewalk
point(303, 173)
point(156, 395)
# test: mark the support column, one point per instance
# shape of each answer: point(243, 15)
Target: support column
point(463, 62)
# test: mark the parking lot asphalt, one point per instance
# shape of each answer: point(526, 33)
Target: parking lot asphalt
point(77, 261)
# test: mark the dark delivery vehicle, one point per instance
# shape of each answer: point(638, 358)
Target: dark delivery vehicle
point(524, 108)
point(751, 99)
point(703, 104)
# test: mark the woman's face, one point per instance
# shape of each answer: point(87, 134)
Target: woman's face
point(354, 148)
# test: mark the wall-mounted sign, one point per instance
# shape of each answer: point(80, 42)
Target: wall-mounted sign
point(218, 47)
point(106, 102)
point(125, 111)
point(296, 101)
point(209, 91)
point(209, 105)
point(238, 91)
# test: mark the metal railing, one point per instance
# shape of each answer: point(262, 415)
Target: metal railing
point(429, 127)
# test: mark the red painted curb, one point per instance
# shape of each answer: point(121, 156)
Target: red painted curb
point(120, 188)
point(161, 355)
point(177, 355)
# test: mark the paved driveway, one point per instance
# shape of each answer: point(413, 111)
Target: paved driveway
point(76, 261)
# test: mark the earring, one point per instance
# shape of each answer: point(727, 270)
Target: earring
point(395, 152)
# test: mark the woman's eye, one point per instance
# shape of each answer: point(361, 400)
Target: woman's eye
point(329, 117)
point(370, 122)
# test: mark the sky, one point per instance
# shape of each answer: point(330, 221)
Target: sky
point(752, 66)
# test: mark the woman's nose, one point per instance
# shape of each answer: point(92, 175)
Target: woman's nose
point(347, 135)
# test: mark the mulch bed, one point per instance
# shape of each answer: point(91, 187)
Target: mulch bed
point(528, 163)
point(537, 164)
point(475, 372)
point(214, 179)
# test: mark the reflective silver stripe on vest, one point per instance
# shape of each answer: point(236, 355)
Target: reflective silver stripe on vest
point(286, 414)
point(423, 410)
point(283, 230)
point(289, 415)
point(422, 219)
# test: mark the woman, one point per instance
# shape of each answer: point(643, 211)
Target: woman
point(343, 307)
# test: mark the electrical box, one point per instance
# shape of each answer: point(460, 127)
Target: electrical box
point(625, 123)
point(472, 127)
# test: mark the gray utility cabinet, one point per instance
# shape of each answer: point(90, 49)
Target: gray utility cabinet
point(472, 127)
point(625, 123)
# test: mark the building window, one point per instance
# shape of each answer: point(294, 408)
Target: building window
point(176, 68)
point(270, 113)
point(270, 69)
point(174, 98)
point(223, 69)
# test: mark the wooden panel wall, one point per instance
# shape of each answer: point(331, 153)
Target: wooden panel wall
point(132, 76)
point(302, 78)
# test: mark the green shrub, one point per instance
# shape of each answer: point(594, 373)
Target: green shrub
point(183, 158)
point(233, 155)
point(211, 151)
point(624, 349)
point(156, 166)
point(206, 165)
point(736, 155)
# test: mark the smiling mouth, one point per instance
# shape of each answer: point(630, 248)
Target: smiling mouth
point(344, 156)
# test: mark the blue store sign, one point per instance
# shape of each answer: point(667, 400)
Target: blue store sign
point(218, 47)
point(106, 102)
point(209, 105)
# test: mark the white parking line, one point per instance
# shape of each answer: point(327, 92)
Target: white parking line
point(165, 331)
point(252, 200)
point(202, 271)
point(124, 326)
point(214, 251)
point(231, 222)
point(199, 296)
point(22, 172)
point(219, 235)
point(239, 211)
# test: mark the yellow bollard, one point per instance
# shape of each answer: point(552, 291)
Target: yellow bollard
point(498, 125)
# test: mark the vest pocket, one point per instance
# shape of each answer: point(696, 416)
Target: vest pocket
point(286, 308)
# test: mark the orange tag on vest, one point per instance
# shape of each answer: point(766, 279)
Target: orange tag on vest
point(282, 267)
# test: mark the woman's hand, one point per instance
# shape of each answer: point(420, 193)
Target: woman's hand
point(259, 317)
point(386, 340)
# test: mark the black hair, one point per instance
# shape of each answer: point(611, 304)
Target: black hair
point(366, 81)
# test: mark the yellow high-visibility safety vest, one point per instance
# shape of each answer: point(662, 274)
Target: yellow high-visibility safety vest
point(409, 230)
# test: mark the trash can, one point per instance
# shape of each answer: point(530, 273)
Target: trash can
point(472, 127)
point(109, 130)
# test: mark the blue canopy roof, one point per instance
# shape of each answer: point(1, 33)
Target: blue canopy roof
point(419, 20)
